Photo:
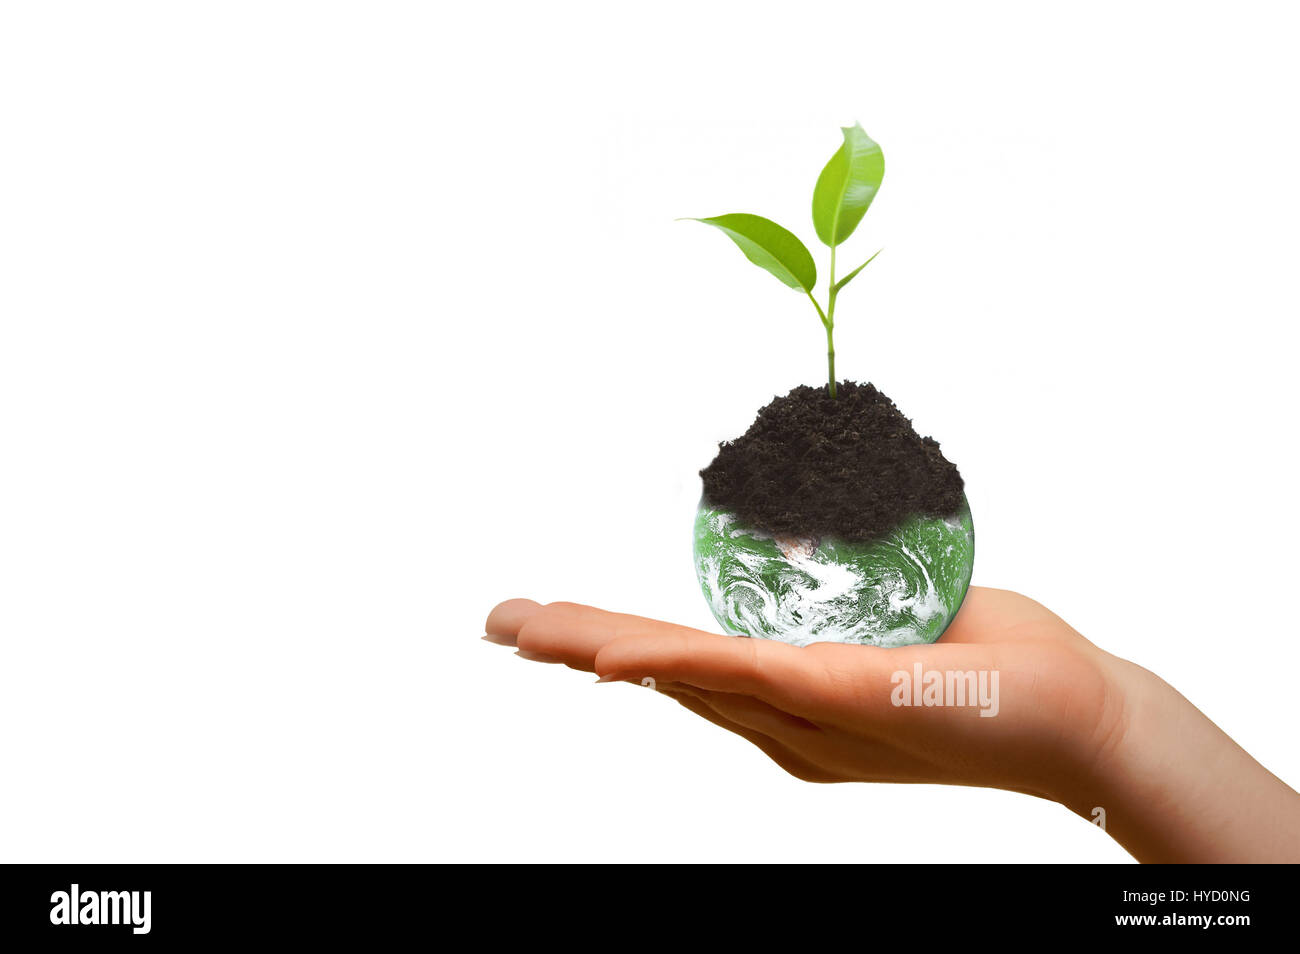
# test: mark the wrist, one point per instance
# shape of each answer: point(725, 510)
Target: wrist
point(1097, 753)
point(1172, 787)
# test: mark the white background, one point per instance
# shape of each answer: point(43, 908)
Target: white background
point(327, 326)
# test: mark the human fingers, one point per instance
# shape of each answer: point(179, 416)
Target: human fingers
point(506, 619)
point(574, 634)
point(786, 677)
point(794, 732)
point(788, 760)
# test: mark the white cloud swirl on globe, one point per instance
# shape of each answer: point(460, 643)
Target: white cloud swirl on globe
point(899, 590)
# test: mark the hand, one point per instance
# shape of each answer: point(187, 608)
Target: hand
point(1061, 719)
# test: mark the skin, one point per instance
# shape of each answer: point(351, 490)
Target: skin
point(1075, 724)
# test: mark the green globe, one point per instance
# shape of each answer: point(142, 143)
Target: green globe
point(901, 589)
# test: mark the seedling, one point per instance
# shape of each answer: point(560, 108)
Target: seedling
point(844, 191)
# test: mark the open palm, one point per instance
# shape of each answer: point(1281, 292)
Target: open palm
point(832, 713)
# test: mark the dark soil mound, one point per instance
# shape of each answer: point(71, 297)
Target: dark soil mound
point(851, 468)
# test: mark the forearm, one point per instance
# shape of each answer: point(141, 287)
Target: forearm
point(1176, 789)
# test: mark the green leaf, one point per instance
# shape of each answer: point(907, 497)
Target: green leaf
point(846, 186)
point(851, 275)
point(769, 246)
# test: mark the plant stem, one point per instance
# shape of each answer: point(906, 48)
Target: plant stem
point(820, 314)
point(830, 324)
point(830, 358)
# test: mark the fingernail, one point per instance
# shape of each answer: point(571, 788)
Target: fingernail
point(537, 657)
point(499, 640)
point(612, 677)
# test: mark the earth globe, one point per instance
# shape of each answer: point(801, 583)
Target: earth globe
point(902, 588)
